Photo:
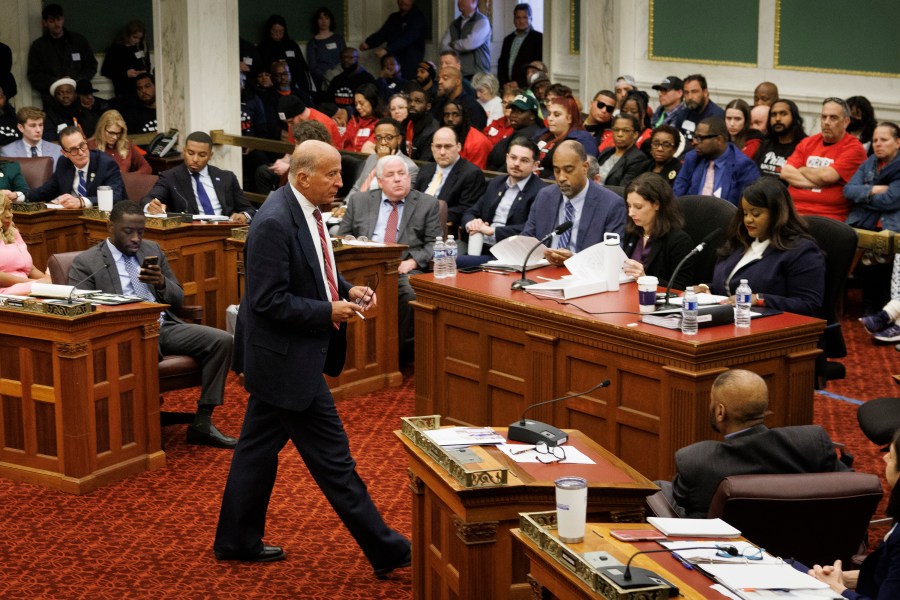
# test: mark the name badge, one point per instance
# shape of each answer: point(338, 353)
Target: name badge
point(289, 53)
point(139, 54)
point(248, 61)
point(542, 144)
point(76, 56)
point(492, 132)
point(330, 46)
point(364, 132)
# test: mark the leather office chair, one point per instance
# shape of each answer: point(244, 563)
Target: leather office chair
point(811, 517)
point(36, 170)
point(351, 165)
point(618, 189)
point(703, 215)
point(138, 185)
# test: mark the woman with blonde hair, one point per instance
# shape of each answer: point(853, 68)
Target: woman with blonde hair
point(17, 270)
point(111, 137)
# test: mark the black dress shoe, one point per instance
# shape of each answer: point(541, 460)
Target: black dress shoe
point(209, 436)
point(383, 572)
point(267, 554)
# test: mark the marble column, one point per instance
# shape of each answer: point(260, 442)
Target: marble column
point(599, 41)
point(197, 78)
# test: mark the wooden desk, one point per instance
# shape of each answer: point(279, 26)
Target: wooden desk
point(484, 353)
point(461, 544)
point(50, 232)
point(552, 580)
point(79, 398)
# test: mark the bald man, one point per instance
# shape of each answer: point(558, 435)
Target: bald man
point(739, 402)
point(765, 93)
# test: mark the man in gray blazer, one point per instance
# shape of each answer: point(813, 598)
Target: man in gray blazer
point(739, 401)
point(116, 265)
point(396, 214)
point(31, 145)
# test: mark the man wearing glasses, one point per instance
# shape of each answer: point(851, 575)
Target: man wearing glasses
point(78, 174)
point(388, 136)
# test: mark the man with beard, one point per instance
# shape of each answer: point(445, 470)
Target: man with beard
point(426, 74)
point(822, 164)
point(64, 110)
point(523, 119)
point(140, 116)
point(345, 84)
point(388, 136)
point(421, 126)
point(785, 132)
point(696, 99)
point(450, 87)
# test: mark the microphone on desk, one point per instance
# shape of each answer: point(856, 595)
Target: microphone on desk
point(522, 282)
point(715, 233)
point(638, 577)
point(91, 276)
point(532, 432)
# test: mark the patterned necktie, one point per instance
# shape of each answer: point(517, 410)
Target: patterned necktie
point(710, 180)
point(326, 258)
point(205, 204)
point(82, 186)
point(140, 288)
point(34, 153)
point(435, 184)
point(565, 236)
point(390, 230)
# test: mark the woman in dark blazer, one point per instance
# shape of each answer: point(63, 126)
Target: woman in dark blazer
point(627, 160)
point(654, 241)
point(768, 245)
point(664, 145)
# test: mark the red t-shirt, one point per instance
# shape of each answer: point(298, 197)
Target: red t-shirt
point(325, 120)
point(359, 131)
point(844, 156)
point(497, 130)
point(476, 148)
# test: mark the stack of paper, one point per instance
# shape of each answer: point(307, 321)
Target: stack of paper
point(53, 290)
point(588, 275)
point(511, 254)
point(465, 436)
point(753, 578)
point(694, 527)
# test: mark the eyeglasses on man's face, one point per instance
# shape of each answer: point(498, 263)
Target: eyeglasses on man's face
point(76, 149)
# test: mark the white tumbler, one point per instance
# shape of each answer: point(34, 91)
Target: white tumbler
point(104, 198)
point(571, 508)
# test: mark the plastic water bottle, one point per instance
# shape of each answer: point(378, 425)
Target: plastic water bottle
point(452, 251)
point(689, 312)
point(742, 305)
point(440, 251)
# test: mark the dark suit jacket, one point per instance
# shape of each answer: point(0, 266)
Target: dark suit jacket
point(879, 576)
point(603, 212)
point(633, 163)
point(758, 450)
point(462, 187)
point(284, 339)
point(532, 49)
point(101, 170)
point(419, 226)
point(665, 254)
point(487, 205)
point(174, 189)
point(739, 172)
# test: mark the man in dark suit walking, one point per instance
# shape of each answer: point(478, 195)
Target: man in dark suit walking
point(291, 329)
point(522, 46)
point(738, 403)
point(78, 174)
point(198, 188)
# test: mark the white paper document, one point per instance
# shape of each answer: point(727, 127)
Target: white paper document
point(588, 274)
point(762, 577)
point(465, 436)
point(701, 299)
point(53, 290)
point(747, 553)
point(694, 527)
point(512, 251)
point(526, 453)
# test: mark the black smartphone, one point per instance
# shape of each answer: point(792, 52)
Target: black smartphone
point(150, 261)
point(475, 269)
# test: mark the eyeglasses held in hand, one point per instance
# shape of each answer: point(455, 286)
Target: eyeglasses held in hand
point(370, 289)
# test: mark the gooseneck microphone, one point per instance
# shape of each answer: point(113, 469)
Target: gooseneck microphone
point(715, 233)
point(91, 276)
point(522, 282)
point(638, 577)
point(532, 432)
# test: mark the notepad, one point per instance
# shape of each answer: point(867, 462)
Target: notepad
point(694, 527)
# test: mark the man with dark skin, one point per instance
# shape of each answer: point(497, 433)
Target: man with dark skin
point(765, 93)
point(450, 87)
point(421, 126)
point(523, 119)
point(345, 84)
point(784, 133)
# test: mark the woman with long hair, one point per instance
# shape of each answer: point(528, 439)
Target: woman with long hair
point(563, 123)
point(323, 50)
point(127, 58)
point(111, 138)
point(737, 121)
point(361, 126)
point(17, 270)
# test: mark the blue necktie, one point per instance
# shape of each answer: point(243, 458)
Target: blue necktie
point(565, 236)
point(202, 196)
point(34, 153)
point(82, 186)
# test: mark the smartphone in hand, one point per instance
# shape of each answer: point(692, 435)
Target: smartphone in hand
point(150, 261)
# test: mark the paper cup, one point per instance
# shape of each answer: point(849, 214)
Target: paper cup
point(571, 508)
point(476, 242)
point(105, 198)
point(647, 286)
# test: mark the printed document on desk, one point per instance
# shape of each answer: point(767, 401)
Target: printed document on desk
point(694, 527)
point(742, 578)
point(588, 276)
point(511, 254)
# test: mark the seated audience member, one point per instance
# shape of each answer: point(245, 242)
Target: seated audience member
point(398, 106)
point(875, 188)
point(78, 174)
point(563, 123)
point(654, 241)
point(323, 50)
point(715, 167)
point(537, 91)
point(89, 102)
point(636, 106)
point(310, 130)
point(111, 138)
point(700, 107)
point(198, 188)
point(625, 84)
point(671, 109)
point(877, 577)
point(64, 110)
point(738, 403)
point(500, 128)
point(388, 139)
point(390, 81)
point(12, 183)
point(17, 270)
point(58, 53)
point(31, 126)
point(451, 178)
point(862, 121)
point(759, 118)
point(766, 93)
point(276, 44)
point(523, 121)
point(486, 89)
point(141, 114)
point(624, 161)
point(273, 85)
point(379, 214)
point(475, 145)
point(785, 131)
point(737, 121)
point(123, 252)
point(343, 85)
point(127, 58)
point(884, 326)
point(426, 77)
point(451, 58)
point(592, 209)
point(503, 208)
point(361, 126)
point(599, 118)
point(768, 245)
point(420, 127)
point(823, 163)
point(450, 87)
point(593, 170)
point(664, 145)
point(9, 133)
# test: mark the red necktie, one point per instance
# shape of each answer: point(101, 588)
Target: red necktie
point(390, 231)
point(326, 258)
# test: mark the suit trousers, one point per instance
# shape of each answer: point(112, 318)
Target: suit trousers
point(319, 436)
point(210, 346)
point(405, 321)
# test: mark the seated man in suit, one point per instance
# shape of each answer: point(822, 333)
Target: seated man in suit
point(396, 214)
point(78, 174)
point(502, 210)
point(738, 403)
point(116, 265)
point(198, 188)
point(451, 178)
point(593, 210)
point(31, 126)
